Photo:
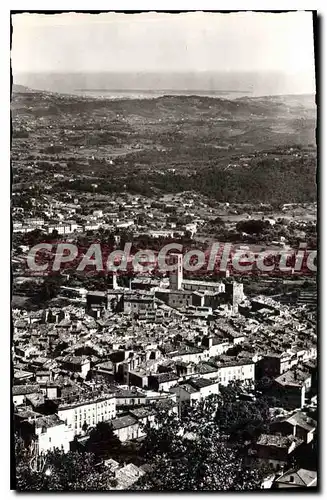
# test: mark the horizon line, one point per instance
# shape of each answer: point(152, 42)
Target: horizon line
point(149, 71)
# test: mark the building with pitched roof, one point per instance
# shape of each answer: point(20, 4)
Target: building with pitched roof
point(297, 478)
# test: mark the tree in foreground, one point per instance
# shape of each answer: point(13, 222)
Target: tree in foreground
point(188, 456)
point(63, 472)
point(103, 442)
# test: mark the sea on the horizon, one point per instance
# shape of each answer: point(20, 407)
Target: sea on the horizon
point(152, 94)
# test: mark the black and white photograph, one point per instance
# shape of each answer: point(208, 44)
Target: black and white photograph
point(164, 235)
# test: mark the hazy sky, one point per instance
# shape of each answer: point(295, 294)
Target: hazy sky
point(188, 41)
point(164, 42)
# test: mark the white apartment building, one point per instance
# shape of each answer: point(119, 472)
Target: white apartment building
point(195, 390)
point(243, 371)
point(64, 228)
point(78, 413)
point(51, 433)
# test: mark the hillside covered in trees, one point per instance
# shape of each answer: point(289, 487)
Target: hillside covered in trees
point(241, 150)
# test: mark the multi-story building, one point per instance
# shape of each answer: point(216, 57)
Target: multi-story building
point(290, 388)
point(273, 364)
point(62, 228)
point(76, 364)
point(36, 221)
point(194, 390)
point(298, 424)
point(275, 451)
point(203, 286)
point(138, 303)
point(51, 433)
point(81, 413)
point(216, 345)
point(242, 370)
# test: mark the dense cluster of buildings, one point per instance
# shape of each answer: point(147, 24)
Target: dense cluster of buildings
point(120, 355)
point(122, 213)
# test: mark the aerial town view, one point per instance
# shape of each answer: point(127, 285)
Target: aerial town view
point(163, 255)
